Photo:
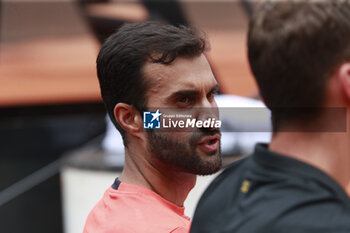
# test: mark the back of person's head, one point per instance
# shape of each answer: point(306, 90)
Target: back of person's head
point(123, 55)
point(293, 49)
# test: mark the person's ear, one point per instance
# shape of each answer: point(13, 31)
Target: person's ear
point(344, 77)
point(128, 118)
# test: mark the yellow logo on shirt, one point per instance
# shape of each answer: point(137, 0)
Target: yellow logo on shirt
point(245, 186)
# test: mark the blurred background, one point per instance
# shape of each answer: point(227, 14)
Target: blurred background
point(53, 165)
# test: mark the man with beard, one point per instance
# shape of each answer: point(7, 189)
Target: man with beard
point(299, 53)
point(147, 66)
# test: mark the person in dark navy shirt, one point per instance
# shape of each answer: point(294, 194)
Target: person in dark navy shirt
point(272, 193)
point(299, 53)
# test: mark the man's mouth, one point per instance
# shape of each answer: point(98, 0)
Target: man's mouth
point(210, 143)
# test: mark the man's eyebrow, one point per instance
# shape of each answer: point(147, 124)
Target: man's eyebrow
point(185, 93)
point(214, 89)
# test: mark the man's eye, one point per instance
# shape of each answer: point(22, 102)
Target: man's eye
point(210, 96)
point(184, 100)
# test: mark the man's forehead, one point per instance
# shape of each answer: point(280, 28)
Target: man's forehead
point(156, 72)
point(185, 69)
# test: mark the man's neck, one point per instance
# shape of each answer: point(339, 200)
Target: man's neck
point(173, 185)
point(326, 151)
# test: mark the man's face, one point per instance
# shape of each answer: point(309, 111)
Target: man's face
point(186, 86)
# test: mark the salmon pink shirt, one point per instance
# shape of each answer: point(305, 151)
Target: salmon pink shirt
point(126, 208)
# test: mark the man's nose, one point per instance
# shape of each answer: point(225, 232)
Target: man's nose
point(210, 113)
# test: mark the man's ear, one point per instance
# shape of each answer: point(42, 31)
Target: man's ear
point(344, 78)
point(128, 118)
